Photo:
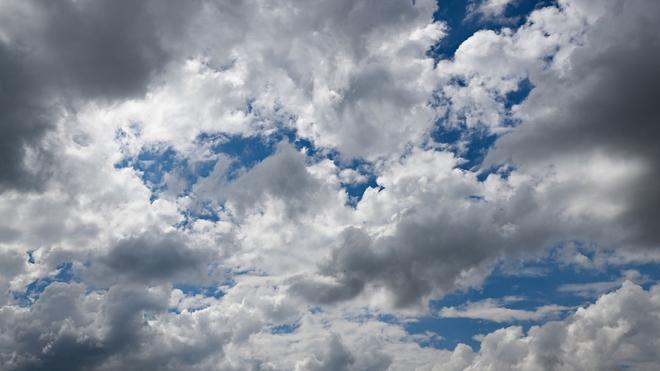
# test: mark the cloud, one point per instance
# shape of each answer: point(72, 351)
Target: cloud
point(62, 52)
point(493, 310)
point(198, 277)
point(488, 9)
point(23, 123)
point(608, 121)
point(283, 175)
point(150, 258)
point(336, 357)
point(594, 289)
point(363, 88)
point(612, 333)
point(419, 250)
point(433, 228)
point(63, 329)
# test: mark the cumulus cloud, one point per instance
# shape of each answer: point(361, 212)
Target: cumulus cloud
point(55, 53)
point(609, 121)
point(422, 248)
point(608, 335)
point(66, 329)
point(268, 263)
point(344, 78)
point(151, 258)
point(283, 176)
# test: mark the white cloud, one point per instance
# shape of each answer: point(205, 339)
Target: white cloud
point(488, 9)
point(353, 77)
point(613, 333)
point(494, 310)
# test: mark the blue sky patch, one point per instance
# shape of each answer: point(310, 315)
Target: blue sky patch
point(206, 291)
point(533, 283)
point(286, 328)
point(356, 191)
point(30, 255)
point(471, 146)
point(155, 162)
point(64, 273)
point(517, 96)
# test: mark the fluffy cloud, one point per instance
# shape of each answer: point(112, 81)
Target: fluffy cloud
point(608, 121)
point(269, 264)
point(426, 248)
point(344, 78)
point(56, 53)
point(95, 331)
point(614, 332)
point(486, 9)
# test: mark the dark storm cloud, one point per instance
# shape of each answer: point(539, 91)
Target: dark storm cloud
point(58, 52)
point(608, 105)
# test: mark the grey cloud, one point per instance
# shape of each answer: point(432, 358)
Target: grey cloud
point(102, 48)
point(429, 252)
point(373, 86)
point(12, 263)
point(67, 329)
point(283, 176)
point(64, 51)
point(608, 105)
point(124, 328)
point(23, 121)
point(336, 353)
point(150, 258)
point(8, 234)
point(58, 304)
point(326, 292)
point(335, 356)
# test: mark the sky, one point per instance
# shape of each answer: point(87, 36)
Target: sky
point(329, 185)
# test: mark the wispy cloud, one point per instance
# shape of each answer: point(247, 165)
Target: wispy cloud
point(594, 289)
point(495, 310)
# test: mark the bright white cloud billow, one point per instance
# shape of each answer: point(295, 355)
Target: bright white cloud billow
point(296, 185)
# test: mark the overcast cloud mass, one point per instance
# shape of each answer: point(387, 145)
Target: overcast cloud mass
point(329, 185)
